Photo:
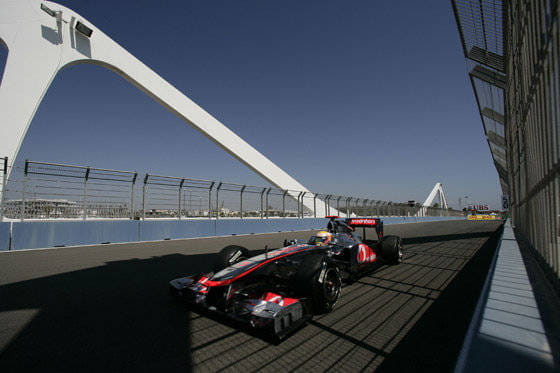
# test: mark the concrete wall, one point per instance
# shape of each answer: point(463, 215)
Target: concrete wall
point(34, 235)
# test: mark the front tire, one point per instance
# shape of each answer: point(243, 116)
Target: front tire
point(230, 255)
point(320, 281)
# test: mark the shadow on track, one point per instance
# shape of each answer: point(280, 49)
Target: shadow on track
point(116, 317)
point(445, 237)
point(434, 343)
point(119, 317)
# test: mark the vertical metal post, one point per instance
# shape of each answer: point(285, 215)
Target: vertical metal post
point(371, 208)
point(23, 187)
point(267, 193)
point(218, 200)
point(297, 204)
point(364, 208)
point(338, 204)
point(180, 192)
point(210, 199)
point(4, 184)
point(84, 200)
point(262, 209)
point(356, 203)
point(315, 205)
point(284, 203)
point(132, 195)
point(347, 206)
point(144, 187)
point(302, 205)
point(241, 201)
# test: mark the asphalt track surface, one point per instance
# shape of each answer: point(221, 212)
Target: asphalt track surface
point(106, 308)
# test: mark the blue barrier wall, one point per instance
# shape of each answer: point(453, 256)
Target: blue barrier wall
point(4, 236)
point(34, 235)
point(153, 230)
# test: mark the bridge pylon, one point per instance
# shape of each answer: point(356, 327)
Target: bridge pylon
point(44, 37)
point(437, 192)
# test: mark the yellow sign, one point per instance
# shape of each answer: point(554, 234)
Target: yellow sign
point(483, 217)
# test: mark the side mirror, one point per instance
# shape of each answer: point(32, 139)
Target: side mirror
point(290, 242)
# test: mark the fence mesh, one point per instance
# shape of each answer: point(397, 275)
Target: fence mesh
point(41, 190)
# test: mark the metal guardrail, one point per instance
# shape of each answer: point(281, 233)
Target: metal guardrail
point(43, 190)
point(4, 171)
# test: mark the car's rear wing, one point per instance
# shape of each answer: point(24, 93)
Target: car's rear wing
point(348, 225)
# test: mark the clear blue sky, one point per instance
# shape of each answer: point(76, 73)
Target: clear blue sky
point(363, 98)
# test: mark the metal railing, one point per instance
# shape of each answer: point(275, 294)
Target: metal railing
point(45, 191)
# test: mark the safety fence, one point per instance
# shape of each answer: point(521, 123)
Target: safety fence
point(513, 56)
point(53, 191)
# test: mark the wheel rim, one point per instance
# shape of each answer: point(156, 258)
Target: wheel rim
point(332, 285)
point(400, 259)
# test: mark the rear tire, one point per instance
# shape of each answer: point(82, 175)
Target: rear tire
point(391, 249)
point(230, 255)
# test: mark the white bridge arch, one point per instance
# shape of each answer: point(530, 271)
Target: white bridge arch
point(43, 37)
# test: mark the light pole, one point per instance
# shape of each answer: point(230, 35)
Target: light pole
point(466, 202)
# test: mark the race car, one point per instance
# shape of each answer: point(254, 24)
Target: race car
point(279, 290)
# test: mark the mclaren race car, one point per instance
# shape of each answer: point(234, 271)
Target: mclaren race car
point(280, 290)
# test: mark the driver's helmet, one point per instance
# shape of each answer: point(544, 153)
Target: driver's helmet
point(322, 238)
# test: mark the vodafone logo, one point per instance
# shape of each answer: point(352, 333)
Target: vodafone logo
point(277, 299)
point(366, 254)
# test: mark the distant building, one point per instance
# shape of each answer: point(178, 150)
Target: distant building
point(63, 209)
point(41, 208)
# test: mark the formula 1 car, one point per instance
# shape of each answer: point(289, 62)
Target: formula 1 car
point(279, 290)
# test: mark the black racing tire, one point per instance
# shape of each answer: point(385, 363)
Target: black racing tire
point(391, 249)
point(174, 293)
point(320, 281)
point(230, 255)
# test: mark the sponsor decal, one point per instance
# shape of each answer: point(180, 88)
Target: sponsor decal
point(369, 222)
point(366, 254)
point(484, 217)
point(279, 300)
point(200, 286)
point(478, 207)
point(235, 256)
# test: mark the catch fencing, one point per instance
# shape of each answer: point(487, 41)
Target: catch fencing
point(53, 191)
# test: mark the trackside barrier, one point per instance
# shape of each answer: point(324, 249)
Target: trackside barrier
point(5, 236)
point(506, 332)
point(34, 235)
